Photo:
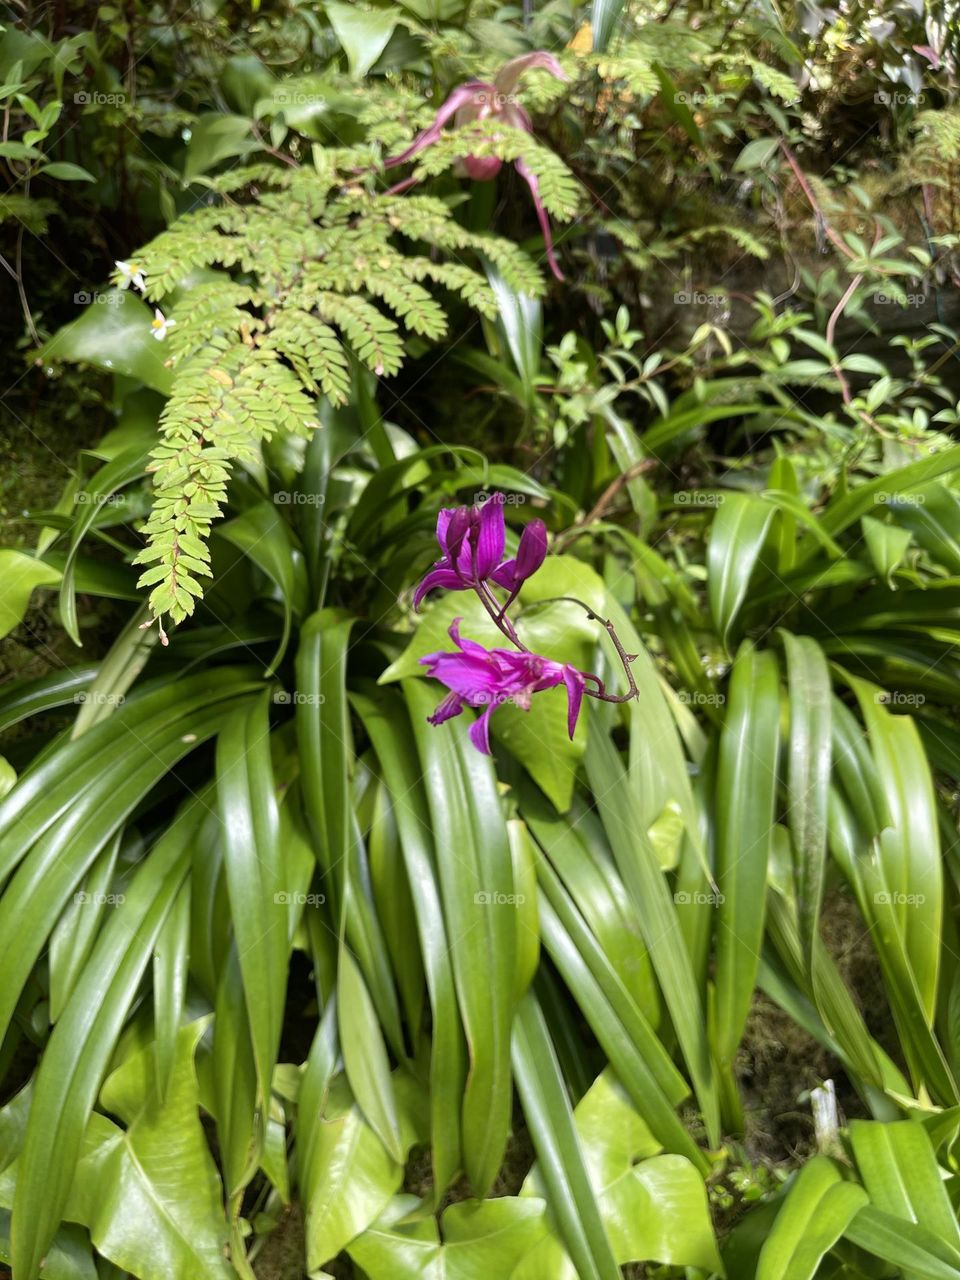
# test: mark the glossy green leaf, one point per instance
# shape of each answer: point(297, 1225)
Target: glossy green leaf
point(116, 336)
point(546, 1106)
point(737, 536)
point(814, 1214)
point(481, 1238)
point(20, 575)
point(475, 872)
point(745, 792)
point(362, 31)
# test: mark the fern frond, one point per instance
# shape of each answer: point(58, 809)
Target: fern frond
point(314, 351)
point(223, 404)
point(372, 335)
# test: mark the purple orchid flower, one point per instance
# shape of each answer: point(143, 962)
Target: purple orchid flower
point(479, 677)
point(483, 100)
point(472, 542)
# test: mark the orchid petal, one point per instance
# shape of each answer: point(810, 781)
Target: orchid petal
point(449, 707)
point(462, 95)
point(490, 536)
point(454, 536)
point(464, 644)
point(508, 77)
point(575, 683)
point(437, 577)
point(480, 731)
point(531, 180)
point(532, 550)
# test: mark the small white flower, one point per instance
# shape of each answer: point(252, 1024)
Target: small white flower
point(132, 275)
point(160, 324)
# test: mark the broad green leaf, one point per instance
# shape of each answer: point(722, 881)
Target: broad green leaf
point(20, 574)
point(654, 1206)
point(151, 1194)
point(69, 1256)
point(363, 32)
point(887, 544)
point(481, 1239)
point(215, 137)
point(115, 335)
point(350, 1177)
point(64, 171)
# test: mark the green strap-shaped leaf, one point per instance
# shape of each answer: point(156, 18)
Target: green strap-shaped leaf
point(79, 1050)
point(170, 965)
point(384, 717)
point(904, 1244)
point(900, 1171)
point(808, 777)
point(561, 1163)
point(477, 888)
point(365, 1055)
point(737, 536)
point(115, 475)
point(246, 795)
point(657, 915)
point(745, 793)
point(815, 1212)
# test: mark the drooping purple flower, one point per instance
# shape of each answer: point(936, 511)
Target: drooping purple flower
point(487, 678)
point(493, 101)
